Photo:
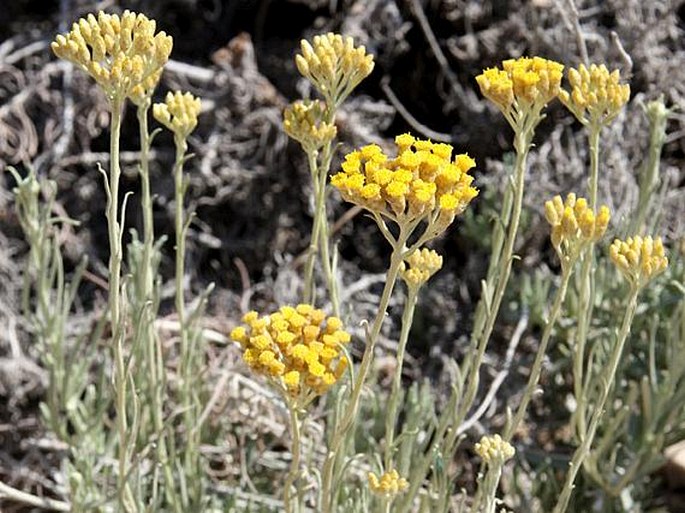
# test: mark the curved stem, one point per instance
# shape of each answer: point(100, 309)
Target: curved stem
point(586, 293)
point(393, 402)
point(607, 377)
point(522, 144)
point(349, 417)
point(536, 370)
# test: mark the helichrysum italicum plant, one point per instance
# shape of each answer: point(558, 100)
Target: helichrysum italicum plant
point(334, 66)
point(639, 260)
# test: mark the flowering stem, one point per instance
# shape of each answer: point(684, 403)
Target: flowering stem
point(126, 501)
point(391, 417)
point(587, 286)
point(349, 416)
point(534, 378)
point(488, 492)
point(295, 451)
point(607, 377)
point(309, 285)
point(522, 145)
point(152, 351)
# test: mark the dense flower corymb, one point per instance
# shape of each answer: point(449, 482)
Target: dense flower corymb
point(597, 95)
point(388, 484)
point(493, 449)
point(178, 113)
point(522, 83)
point(303, 120)
point(423, 263)
point(334, 65)
point(639, 259)
point(422, 181)
point(297, 347)
point(120, 53)
point(574, 224)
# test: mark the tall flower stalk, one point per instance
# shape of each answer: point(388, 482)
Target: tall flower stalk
point(179, 113)
point(596, 98)
point(639, 260)
point(120, 53)
point(423, 186)
point(335, 67)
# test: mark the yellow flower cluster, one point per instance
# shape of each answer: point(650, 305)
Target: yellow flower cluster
point(304, 121)
point(298, 347)
point(493, 449)
point(574, 224)
point(388, 484)
point(334, 65)
point(423, 263)
point(522, 82)
point(423, 180)
point(639, 259)
point(178, 113)
point(120, 53)
point(596, 96)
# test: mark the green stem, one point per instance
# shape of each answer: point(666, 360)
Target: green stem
point(295, 451)
point(393, 403)
point(349, 417)
point(586, 293)
point(154, 361)
point(607, 377)
point(125, 495)
point(536, 370)
point(522, 145)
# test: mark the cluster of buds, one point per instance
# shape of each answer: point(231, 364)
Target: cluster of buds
point(142, 93)
point(178, 113)
point(388, 485)
point(120, 53)
point(639, 259)
point(596, 96)
point(299, 348)
point(574, 225)
point(493, 450)
point(304, 121)
point(423, 263)
point(334, 66)
point(422, 182)
point(522, 84)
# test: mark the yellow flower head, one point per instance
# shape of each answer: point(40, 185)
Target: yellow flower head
point(596, 96)
point(387, 485)
point(574, 224)
point(299, 348)
point(522, 83)
point(639, 259)
point(303, 120)
point(120, 53)
point(422, 182)
point(494, 450)
point(178, 113)
point(423, 263)
point(334, 65)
